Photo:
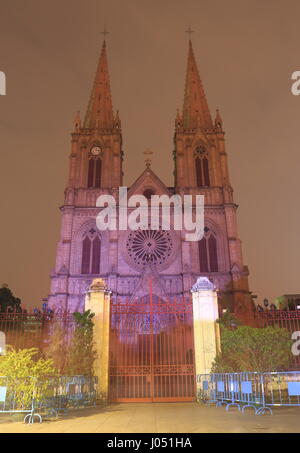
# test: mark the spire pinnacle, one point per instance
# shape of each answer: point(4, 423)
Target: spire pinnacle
point(100, 111)
point(218, 120)
point(77, 122)
point(195, 107)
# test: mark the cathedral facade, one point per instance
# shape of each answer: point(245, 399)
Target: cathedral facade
point(127, 260)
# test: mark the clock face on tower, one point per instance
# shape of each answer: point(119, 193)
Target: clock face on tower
point(96, 150)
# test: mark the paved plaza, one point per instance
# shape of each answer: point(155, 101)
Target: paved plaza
point(161, 418)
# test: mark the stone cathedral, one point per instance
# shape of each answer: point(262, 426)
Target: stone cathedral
point(121, 258)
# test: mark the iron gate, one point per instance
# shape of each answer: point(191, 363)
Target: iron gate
point(151, 350)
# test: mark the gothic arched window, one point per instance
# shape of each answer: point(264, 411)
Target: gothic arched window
point(86, 256)
point(199, 172)
point(91, 247)
point(94, 168)
point(201, 167)
point(208, 254)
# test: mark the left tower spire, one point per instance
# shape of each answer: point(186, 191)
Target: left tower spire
point(95, 168)
point(96, 155)
point(99, 113)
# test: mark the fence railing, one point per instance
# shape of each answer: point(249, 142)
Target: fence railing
point(259, 391)
point(47, 397)
point(24, 329)
point(287, 319)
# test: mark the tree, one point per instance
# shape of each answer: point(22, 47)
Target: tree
point(57, 349)
point(253, 349)
point(8, 302)
point(228, 320)
point(81, 355)
point(281, 303)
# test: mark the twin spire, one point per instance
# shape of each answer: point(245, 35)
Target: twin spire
point(195, 107)
point(195, 112)
point(100, 111)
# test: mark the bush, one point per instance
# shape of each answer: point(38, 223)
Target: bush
point(23, 369)
point(253, 349)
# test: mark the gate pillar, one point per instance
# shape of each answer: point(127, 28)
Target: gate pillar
point(206, 330)
point(98, 301)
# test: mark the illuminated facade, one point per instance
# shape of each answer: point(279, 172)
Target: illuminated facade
point(122, 258)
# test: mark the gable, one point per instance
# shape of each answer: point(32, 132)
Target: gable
point(148, 180)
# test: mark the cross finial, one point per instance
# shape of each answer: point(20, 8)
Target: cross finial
point(189, 32)
point(104, 33)
point(147, 153)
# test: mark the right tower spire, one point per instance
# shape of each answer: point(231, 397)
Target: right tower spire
point(201, 168)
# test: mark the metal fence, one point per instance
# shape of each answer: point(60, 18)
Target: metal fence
point(25, 329)
point(49, 397)
point(259, 391)
point(286, 319)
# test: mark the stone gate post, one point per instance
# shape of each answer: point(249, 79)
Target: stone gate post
point(206, 330)
point(98, 301)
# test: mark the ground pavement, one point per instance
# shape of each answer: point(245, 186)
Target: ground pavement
point(161, 418)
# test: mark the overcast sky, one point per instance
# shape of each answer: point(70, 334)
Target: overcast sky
point(246, 52)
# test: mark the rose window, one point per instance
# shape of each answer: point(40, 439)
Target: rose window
point(149, 246)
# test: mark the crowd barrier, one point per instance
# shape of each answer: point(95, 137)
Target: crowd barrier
point(39, 398)
point(259, 391)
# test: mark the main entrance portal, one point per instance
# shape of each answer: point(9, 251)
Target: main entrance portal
point(151, 350)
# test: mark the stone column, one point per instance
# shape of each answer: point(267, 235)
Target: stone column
point(98, 301)
point(206, 330)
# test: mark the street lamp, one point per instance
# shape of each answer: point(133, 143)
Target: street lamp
point(266, 302)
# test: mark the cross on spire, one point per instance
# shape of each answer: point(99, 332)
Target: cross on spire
point(189, 32)
point(148, 153)
point(104, 33)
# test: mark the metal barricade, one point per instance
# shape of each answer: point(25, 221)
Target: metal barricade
point(50, 396)
point(282, 388)
point(260, 391)
point(19, 396)
point(70, 392)
point(242, 390)
point(206, 391)
point(78, 391)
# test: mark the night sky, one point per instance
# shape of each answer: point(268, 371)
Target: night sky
point(246, 51)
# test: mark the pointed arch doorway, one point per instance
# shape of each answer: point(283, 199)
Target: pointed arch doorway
point(151, 350)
